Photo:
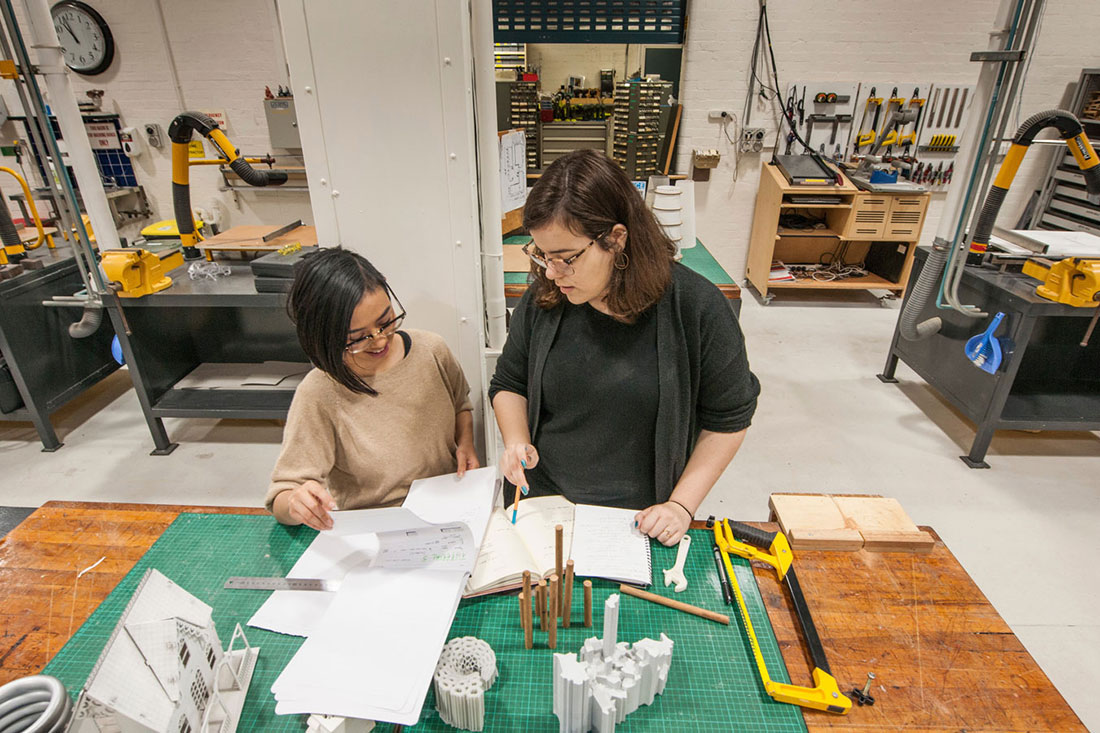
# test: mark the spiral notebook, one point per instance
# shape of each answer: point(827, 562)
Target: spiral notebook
point(606, 544)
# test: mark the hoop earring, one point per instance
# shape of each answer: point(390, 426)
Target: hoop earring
point(622, 261)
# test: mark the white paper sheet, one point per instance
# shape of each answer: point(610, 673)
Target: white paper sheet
point(373, 654)
point(606, 544)
point(354, 541)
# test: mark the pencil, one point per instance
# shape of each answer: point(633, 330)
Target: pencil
point(567, 595)
point(678, 605)
point(555, 596)
point(515, 507)
point(588, 604)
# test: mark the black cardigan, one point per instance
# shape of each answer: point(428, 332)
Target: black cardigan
point(703, 371)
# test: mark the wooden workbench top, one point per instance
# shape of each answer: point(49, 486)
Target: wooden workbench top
point(943, 657)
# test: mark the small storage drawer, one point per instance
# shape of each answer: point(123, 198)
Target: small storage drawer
point(868, 217)
point(906, 217)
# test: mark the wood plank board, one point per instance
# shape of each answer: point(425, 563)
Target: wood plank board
point(249, 238)
point(884, 524)
point(813, 521)
point(845, 522)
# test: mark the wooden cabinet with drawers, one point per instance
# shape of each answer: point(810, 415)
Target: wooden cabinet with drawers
point(877, 232)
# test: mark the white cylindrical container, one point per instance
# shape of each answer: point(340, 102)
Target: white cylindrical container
point(668, 217)
point(673, 232)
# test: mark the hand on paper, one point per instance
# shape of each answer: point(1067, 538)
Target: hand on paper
point(666, 522)
point(467, 458)
point(309, 504)
point(517, 457)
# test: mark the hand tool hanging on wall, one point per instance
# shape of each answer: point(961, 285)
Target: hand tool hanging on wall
point(866, 138)
point(802, 108)
point(910, 137)
point(775, 551)
point(180, 133)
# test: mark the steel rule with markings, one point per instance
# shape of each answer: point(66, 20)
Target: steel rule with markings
point(253, 583)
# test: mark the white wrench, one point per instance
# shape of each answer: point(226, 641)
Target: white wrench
point(675, 574)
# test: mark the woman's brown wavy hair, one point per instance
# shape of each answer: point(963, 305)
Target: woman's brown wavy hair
point(588, 194)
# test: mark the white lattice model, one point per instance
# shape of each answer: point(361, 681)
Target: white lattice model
point(163, 669)
point(466, 669)
point(610, 680)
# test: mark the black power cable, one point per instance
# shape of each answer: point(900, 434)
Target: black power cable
point(767, 33)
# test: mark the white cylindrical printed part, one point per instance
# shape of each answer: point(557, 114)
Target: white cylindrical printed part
point(466, 668)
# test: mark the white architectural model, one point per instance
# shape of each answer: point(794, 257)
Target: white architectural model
point(466, 669)
point(163, 669)
point(610, 680)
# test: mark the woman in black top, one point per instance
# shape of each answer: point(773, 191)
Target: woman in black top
point(626, 369)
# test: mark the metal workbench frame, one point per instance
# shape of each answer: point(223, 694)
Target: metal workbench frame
point(1047, 380)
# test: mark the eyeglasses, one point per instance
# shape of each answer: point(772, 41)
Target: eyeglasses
point(387, 329)
point(564, 266)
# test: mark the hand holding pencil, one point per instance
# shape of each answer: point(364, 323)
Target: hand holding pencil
point(516, 458)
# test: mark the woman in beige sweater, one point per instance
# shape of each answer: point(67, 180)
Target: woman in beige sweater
point(382, 408)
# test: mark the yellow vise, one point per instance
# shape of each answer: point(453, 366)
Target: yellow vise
point(1072, 281)
point(139, 272)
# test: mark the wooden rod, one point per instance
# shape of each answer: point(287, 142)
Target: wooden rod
point(541, 604)
point(567, 594)
point(678, 605)
point(559, 534)
point(528, 621)
point(555, 595)
point(588, 604)
point(527, 583)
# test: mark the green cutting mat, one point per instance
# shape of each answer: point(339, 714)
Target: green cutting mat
point(713, 682)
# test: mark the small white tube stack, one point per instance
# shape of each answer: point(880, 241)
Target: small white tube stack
point(466, 669)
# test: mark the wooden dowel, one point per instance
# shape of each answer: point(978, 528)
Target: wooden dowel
point(567, 594)
point(555, 594)
point(678, 605)
point(525, 617)
point(527, 583)
point(540, 605)
point(588, 604)
point(559, 535)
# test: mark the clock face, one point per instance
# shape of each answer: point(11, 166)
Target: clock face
point(85, 38)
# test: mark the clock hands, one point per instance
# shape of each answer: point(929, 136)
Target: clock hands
point(65, 23)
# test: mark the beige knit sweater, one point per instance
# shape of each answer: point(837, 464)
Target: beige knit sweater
point(367, 450)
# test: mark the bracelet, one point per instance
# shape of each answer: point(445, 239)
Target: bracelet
point(690, 514)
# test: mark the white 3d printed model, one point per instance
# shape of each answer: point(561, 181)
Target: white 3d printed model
point(335, 724)
point(163, 669)
point(466, 669)
point(610, 680)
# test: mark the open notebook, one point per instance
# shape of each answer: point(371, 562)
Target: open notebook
point(601, 541)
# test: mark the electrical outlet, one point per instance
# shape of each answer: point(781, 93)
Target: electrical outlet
point(719, 115)
point(752, 139)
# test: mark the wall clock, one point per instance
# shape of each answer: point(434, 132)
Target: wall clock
point(85, 38)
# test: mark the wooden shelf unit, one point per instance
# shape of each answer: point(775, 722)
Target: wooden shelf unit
point(861, 220)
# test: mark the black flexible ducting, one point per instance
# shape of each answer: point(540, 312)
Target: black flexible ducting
point(1068, 126)
point(258, 178)
point(37, 704)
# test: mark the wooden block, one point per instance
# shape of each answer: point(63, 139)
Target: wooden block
point(825, 539)
point(898, 541)
point(813, 522)
point(884, 524)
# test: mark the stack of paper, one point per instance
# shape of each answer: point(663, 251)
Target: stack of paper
point(373, 644)
point(779, 273)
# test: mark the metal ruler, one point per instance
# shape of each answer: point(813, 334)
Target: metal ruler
point(252, 583)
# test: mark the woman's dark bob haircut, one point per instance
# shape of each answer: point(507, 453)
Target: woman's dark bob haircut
point(328, 285)
point(588, 193)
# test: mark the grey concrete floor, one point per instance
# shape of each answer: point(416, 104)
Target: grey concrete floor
point(1025, 530)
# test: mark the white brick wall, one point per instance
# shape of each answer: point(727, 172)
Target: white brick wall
point(559, 61)
point(851, 41)
point(226, 52)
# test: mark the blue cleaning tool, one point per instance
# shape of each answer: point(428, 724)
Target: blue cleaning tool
point(116, 351)
point(984, 349)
